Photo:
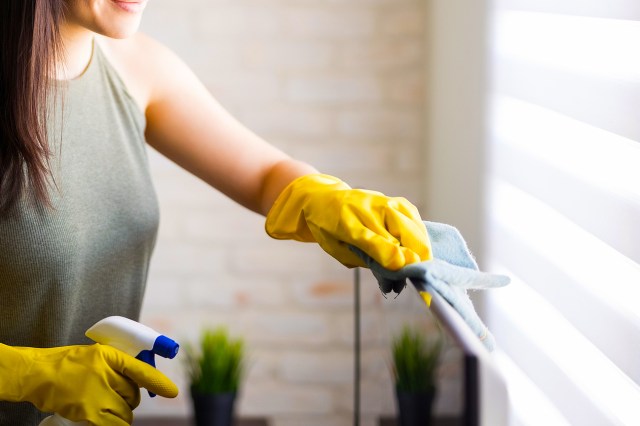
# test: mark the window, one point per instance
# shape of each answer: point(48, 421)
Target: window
point(563, 207)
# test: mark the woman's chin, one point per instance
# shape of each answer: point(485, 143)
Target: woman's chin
point(120, 30)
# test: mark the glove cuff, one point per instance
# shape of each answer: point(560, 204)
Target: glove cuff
point(286, 219)
point(13, 365)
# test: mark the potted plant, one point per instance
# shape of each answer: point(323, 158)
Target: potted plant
point(415, 361)
point(215, 367)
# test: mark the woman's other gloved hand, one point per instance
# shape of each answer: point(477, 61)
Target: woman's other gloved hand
point(96, 383)
point(324, 209)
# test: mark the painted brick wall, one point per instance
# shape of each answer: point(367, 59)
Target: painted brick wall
point(339, 84)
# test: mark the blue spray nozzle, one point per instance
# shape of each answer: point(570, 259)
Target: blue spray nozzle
point(162, 346)
point(165, 347)
point(148, 357)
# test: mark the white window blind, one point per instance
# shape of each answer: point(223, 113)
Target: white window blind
point(563, 208)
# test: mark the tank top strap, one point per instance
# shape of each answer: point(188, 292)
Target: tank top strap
point(100, 71)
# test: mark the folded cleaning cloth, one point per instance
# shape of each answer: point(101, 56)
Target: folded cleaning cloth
point(450, 273)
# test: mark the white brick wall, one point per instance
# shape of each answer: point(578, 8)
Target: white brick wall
point(341, 85)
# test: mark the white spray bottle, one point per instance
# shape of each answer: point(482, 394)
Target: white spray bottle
point(130, 337)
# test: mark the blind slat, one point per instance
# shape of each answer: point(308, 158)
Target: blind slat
point(613, 333)
point(614, 219)
point(531, 406)
point(599, 158)
point(586, 387)
point(607, 104)
point(614, 9)
point(568, 247)
point(594, 46)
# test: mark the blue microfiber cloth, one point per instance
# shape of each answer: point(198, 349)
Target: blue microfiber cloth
point(450, 273)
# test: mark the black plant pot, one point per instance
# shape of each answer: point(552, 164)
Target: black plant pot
point(414, 408)
point(213, 409)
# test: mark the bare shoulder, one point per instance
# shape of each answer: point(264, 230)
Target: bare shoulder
point(145, 65)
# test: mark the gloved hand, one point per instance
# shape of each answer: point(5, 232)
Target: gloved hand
point(450, 273)
point(324, 209)
point(96, 383)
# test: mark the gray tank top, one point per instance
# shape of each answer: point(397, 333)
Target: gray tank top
point(64, 268)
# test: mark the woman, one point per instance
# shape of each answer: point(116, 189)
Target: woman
point(81, 94)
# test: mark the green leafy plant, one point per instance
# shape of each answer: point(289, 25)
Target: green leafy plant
point(216, 365)
point(415, 360)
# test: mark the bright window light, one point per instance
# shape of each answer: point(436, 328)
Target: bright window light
point(530, 404)
point(597, 376)
point(583, 257)
point(581, 45)
point(587, 67)
point(595, 156)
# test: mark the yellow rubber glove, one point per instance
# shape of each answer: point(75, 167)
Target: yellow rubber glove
point(324, 209)
point(96, 383)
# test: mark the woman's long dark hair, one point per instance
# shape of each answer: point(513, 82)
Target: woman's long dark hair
point(30, 47)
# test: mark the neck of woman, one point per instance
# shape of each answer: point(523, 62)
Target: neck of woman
point(78, 48)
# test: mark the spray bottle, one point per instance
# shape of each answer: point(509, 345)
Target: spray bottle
point(131, 338)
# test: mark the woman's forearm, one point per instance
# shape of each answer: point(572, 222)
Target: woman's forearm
point(277, 179)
